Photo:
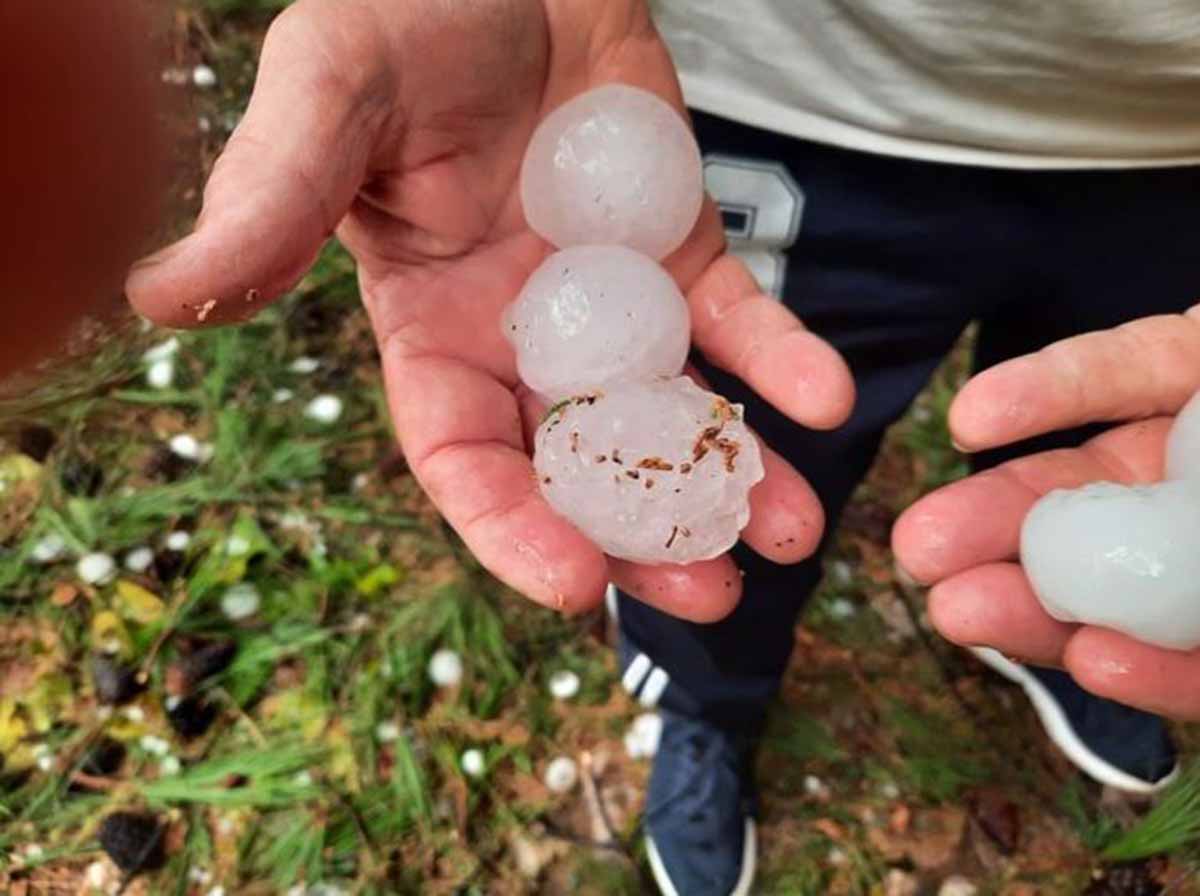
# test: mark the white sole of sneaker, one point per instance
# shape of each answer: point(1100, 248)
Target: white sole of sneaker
point(1058, 727)
point(749, 864)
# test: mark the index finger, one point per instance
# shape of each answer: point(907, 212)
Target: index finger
point(1144, 368)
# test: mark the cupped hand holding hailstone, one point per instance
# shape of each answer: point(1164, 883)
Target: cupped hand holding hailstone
point(649, 466)
point(1126, 557)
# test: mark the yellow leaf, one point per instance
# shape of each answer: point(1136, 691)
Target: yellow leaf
point(19, 468)
point(138, 604)
point(109, 634)
point(12, 726)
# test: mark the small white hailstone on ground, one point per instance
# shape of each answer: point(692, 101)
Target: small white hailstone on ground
point(651, 472)
point(360, 481)
point(34, 852)
point(170, 766)
point(837, 857)
point(217, 891)
point(564, 684)
point(387, 732)
point(324, 409)
point(237, 546)
point(815, 787)
point(172, 703)
point(96, 568)
point(135, 714)
point(641, 740)
point(561, 774)
point(178, 541)
point(1183, 443)
point(889, 791)
point(204, 76)
point(48, 549)
point(200, 876)
point(283, 395)
point(303, 779)
point(842, 608)
point(139, 559)
point(957, 885)
point(900, 883)
point(445, 668)
point(842, 574)
point(473, 764)
point(161, 374)
point(153, 745)
point(163, 351)
point(594, 315)
point(294, 519)
point(241, 601)
point(305, 365)
point(190, 448)
point(1121, 557)
point(615, 165)
point(46, 763)
point(97, 875)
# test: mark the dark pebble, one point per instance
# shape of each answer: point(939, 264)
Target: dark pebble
point(134, 841)
point(192, 716)
point(166, 464)
point(115, 682)
point(204, 659)
point(80, 477)
point(104, 758)
point(36, 441)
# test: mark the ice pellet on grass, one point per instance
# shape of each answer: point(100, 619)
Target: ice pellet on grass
point(305, 365)
point(445, 668)
point(96, 569)
point(165, 350)
point(1122, 557)
point(48, 549)
point(178, 541)
point(190, 448)
point(387, 732)
point(614, 165)
point(203, 76)
point(594, 315)
point(161, 374)
point(564, 685)
point(324, 409)
point(561, 774)
point(472, 763)
point(241, 601)
point(651, 472)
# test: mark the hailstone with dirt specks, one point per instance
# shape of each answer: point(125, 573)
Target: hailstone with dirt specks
point(593, 315)
point(614, 165)
point(1122, 557)
point(656, 472)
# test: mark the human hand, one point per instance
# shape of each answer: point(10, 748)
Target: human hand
point(402, 126)
point(963, 539)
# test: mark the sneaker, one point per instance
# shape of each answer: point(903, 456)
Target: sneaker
point(700, 832)
point(1123, 748)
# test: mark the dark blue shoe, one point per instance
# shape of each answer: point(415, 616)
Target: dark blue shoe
point(699, 820)
point(1125, 748)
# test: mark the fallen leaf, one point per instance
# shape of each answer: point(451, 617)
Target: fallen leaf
point(64, 594)
point(139, 604)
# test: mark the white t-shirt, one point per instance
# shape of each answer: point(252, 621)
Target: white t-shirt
point(1008, 83)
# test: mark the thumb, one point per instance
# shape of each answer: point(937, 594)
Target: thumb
point(288, 174)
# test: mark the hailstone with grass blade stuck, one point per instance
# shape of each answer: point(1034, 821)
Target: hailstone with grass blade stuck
point(594, 315)
point(614, 165)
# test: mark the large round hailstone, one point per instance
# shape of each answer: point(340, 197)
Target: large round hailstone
point(652, 472)
point(1121, 557)
point(614, 165)
point(1183, 444)
point(594, 315)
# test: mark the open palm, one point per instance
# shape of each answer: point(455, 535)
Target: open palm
point(402, 125)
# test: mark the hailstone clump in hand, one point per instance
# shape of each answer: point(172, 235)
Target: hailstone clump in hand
point(614, 165)
point(1125, 557)
point(647, 464)
point(593, 315)
point(652, 472)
